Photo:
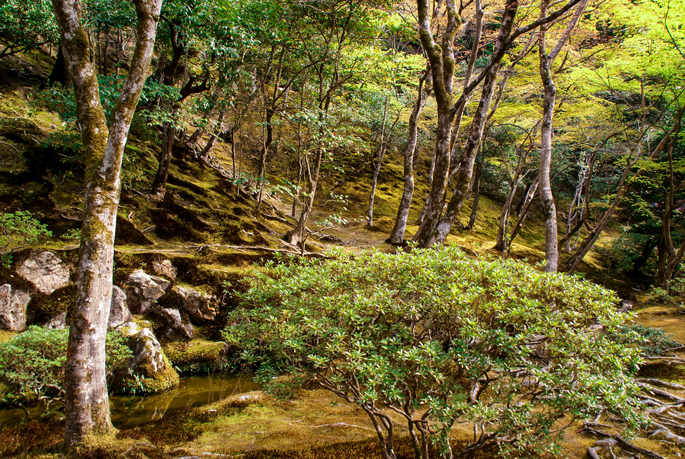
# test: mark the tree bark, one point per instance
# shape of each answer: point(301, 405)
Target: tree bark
point(397, 234)
point(86, 400)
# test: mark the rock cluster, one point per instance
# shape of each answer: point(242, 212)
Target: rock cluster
point(174, 309)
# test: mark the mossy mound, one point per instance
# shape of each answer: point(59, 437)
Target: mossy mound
point(42, 307)
point(197, 356)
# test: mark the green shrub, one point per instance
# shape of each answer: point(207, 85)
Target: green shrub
point(32, 364)
point(442, 339)
point(17, 230)
point(649, 340)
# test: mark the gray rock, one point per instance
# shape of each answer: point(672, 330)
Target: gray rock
point(13, 308)
point(164, 268)
point(45, 271)
point(177, 326)
point(199, 306)
point(148, 358)
point(58, 322)
point(142, 290)
point(119, 312)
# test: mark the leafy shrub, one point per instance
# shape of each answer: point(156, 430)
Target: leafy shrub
point(649, 340)
point(32, 363)
point(17, 230)
point(442, 339)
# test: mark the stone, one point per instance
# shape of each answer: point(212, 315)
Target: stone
point(13, 304)
point(119, 312)
point(177, 326)
point(199, 306)
point(45, 271)
point(148, 363)
point(143, 290)
point(164, 268)
point(57, 323)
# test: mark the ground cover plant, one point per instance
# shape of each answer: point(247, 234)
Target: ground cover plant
point(432, 338)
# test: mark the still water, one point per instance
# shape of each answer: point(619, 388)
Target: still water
point(134, 410)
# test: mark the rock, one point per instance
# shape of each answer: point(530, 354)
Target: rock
point(45, 271)
point(127, 233)
point(148, 363)
point(142, 290)
point(58, 322)
point(13, 308)
point(177, 326)
point(119, 312)
point(164, 268)
point(199, 306)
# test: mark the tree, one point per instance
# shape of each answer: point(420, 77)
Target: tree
point(86, 401)
point(500, 347)
point(548, 207)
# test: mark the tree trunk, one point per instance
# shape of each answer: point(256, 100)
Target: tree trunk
point(397, 234)
point(59, 70)
point(476, 198)
point(159, 183)
point(437, 230)
point(204, 155)
point(379, 163)
point(527, 201)
point(86, 400)
point(548, 207)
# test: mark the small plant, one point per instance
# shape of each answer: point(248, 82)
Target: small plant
point(17, 230)
point(441, 339)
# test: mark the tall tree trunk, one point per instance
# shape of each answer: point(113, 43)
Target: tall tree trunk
point(379, 163)
point(548, 206)
point(442, 64)
point(397, 234)
point(159, 183)
point(86, 400)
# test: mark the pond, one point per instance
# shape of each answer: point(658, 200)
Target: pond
point(126, 411)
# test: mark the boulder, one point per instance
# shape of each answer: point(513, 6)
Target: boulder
point(45, 271)
point(199, 306)
point(150, 365)
point(13, 304)
point(164, 268)
point(142, 290)
point(119, 312)
point(58, 322)
point(176, 325)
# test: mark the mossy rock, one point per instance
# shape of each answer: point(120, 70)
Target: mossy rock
point(197, 355)
point(42, 307)
point(663, 370)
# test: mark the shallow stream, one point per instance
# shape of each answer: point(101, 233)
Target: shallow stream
point(135, 410)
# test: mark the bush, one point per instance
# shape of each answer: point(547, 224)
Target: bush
point(649, 340)
point(32, 364)
point(17, 230)
point(442, 339)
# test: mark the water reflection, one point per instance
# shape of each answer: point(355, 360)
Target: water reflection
point(134, 410)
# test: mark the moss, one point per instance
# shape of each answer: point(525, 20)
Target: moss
point(197, 355)
point(6, 335)
point(42, 307)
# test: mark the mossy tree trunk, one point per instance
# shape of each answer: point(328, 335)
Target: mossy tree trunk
point(86, 400)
